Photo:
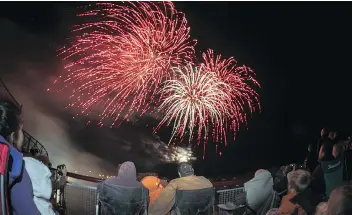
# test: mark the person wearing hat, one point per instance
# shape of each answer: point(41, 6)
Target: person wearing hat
point(154, 185)
point(187, 181)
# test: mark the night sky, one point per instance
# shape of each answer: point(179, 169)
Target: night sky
point(301, 53)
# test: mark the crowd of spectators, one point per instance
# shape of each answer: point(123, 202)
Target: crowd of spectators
point(320, 186)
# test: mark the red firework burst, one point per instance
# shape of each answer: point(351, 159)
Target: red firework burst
point(118, 62)
point(244, 97)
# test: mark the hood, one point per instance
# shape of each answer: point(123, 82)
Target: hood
point(40, 176)
point(127, 176)
point(128, 170)
point(259, 188)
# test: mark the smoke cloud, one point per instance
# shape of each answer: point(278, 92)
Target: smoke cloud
point(28, 67)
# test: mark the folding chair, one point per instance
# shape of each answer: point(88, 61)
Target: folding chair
point(195, 202)
point(115, 200)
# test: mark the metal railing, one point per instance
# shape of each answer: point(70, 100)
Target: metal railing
point(77, 198)
point(30, 144)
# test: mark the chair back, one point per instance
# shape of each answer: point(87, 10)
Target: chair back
point(333, 173)
point(79, 199)
point(115, 199)
point(192, 202)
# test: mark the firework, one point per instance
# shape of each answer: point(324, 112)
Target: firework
point(118, 61)
point(196, 98)
point(244, 97)
point(212, 99)
point(178, 154)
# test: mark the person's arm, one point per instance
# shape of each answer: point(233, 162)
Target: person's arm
point(165, 201)
point(318, 146)
point(21, 195)
point(321, 153)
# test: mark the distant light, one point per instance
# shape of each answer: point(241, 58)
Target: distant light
point(75, 171)
point(90, 171)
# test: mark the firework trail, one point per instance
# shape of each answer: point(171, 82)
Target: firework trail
point(213, 98)
point(119, 60)
point(196, 98)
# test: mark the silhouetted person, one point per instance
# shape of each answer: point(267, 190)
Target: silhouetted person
point(21, 191)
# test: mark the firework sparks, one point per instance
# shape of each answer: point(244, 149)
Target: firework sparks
point(242, 90)
point(196, 97)
point(213, 98)
point(179, 154)
point(119, 61)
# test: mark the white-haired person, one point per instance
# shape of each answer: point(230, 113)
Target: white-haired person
point(340, 201)
point(299, 199)
point(187, 181)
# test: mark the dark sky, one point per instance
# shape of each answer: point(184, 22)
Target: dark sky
point(301, 53)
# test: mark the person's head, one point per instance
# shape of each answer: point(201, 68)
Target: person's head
point(336, 150)
point(298, 181)
point(185, 169)
point(151, 183)
point(288, 169)
point(332, 135)
point(260, 171)
point(323, 132)
point(11, 123)
point(128, 170)
point(340, 201)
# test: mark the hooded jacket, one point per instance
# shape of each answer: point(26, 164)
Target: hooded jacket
point(127, 176)
point(21, 193)
point(123, 194)
point(41, 183)
point(259, 189)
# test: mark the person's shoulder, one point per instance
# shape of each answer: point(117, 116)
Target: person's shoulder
point(32, 164)
point(203, 178)
point(175, 180)
point(205, 181)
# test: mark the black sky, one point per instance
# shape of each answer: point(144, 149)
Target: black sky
point(301, 53)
